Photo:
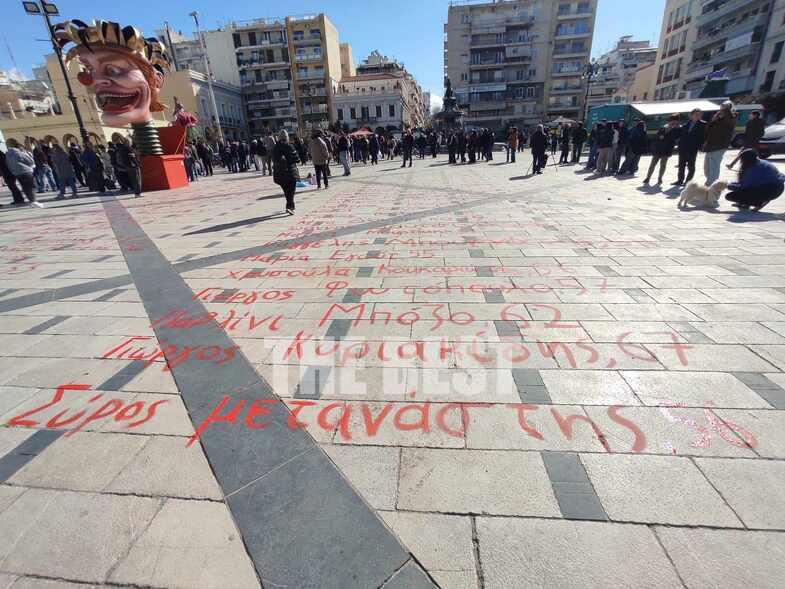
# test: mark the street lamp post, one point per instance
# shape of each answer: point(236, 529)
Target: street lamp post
point(46, 9)
point(589, 73)
point(195, 16)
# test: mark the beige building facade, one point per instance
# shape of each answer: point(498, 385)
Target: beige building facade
point(518, 61)
point(771, 70)
point(677, 37)
point(617, 70)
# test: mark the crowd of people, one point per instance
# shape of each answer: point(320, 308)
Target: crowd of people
point(613, 147)
point(40, 167)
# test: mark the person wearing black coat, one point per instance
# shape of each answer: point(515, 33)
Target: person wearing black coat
point(461, 146)
point(636, 147)
point(663, 147)
point(285, 172)
point(539, 144)
point(564, 141)
point(692, 137)
point(579, 136)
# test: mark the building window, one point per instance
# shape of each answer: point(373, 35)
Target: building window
point(364, 113)
point(340, 114)
point(378, 111)
point(258, 74)
point(298, 35)
point(237, 41)
point(353, 113)
point(392, 111)
point(464, 77)
point(777, 53)
point(252, 38)
point(768, 82)
point(564, 9)
point(531, 91)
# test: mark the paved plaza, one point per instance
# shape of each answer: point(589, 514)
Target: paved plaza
point(440, 376)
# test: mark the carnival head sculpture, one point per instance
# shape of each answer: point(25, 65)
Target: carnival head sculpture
point(121, 67)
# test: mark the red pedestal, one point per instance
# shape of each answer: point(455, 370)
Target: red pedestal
point(162, 172)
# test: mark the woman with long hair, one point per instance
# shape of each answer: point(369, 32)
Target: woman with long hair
point(759, 183)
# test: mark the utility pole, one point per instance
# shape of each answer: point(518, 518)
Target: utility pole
point(171, 46)
point(46, 9)
point(195, 16)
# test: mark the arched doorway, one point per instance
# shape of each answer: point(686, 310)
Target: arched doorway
point(69, 139)
point(95, 139)
point(50, 140)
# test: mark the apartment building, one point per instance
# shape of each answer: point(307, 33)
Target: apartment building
point(729, 39)
point(415, 106)
point(381, 94)
point(518, 61)
point(677, 36)
point(617, 69)
point(771, 68)
point(261, 48)
point(187, 53)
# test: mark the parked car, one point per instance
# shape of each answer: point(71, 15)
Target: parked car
point(773, 141)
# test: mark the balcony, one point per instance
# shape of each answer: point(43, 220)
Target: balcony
point(477, 107)
point(563, 108)
point(307, 41)
point(714, 34)
point(311, 75)
point(740, 85)
point(573, 14)
point(258, 63)
point(572, 33)
point(271, 99)
point(567, 72)
point(723, 10)
point(567, 89)
point(308, 58)
point(570, 53)
point(723, 58)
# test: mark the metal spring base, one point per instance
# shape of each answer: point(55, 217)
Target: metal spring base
point(146, 139)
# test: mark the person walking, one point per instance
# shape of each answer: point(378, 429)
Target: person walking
point(319, 155)
point(373, 146)
point(753, 133)
point(691, 138)
point(43, 172)
point(189, 159)
point(128, 165)
point(267, 162)
point(94, 169)
point(621, 145)
point(343, 154)
point(636, 147)
point(452, 143)
point(719, 134)
point(106, 162)
point(285, 172)
point(204, 153)
point(539, 144)
point(408, 147)
point(759, 182)
point(554, 142)
point(21, 164)
point(11, 182)
point(663, 147)
point(512, 144)
point(65, 172)
point(460, 145)
point(75, 153)
point(471, 146)
point(594, 150)
point(604, 146)
point(579, 136)
point(564, 142)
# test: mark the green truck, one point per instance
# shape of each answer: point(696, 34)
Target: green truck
point(656, 114)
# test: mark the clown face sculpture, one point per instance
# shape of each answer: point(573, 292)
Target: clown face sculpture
point(120, 67)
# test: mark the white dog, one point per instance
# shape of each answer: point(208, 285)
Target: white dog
point(701, 196)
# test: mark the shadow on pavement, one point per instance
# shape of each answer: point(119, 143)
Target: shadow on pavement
point(234, 225)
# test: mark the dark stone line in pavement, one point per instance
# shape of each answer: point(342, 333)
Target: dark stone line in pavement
point(59, 248)
point(8, 291)
point(57, 274)
point(352, 296)
point(373, 254)
point(494, 296)
point(484, 271)
point(102, 259)
point(110, 295)
point(531, 388)
point(338, 329)
point(475, 253)
point(606, 271)
point(287, 497)
point(121, 378)
point(36, 329)
point(574, 492)
point(165, 235)
point(187, 257)
point(18, 457)
point(507, 329)
point(379, 241)
point(738, 270)
point(770, 391)
point(364, 271)
point(212, 244)
point(312, 383)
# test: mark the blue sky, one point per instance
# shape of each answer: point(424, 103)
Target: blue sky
point(410, 30)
